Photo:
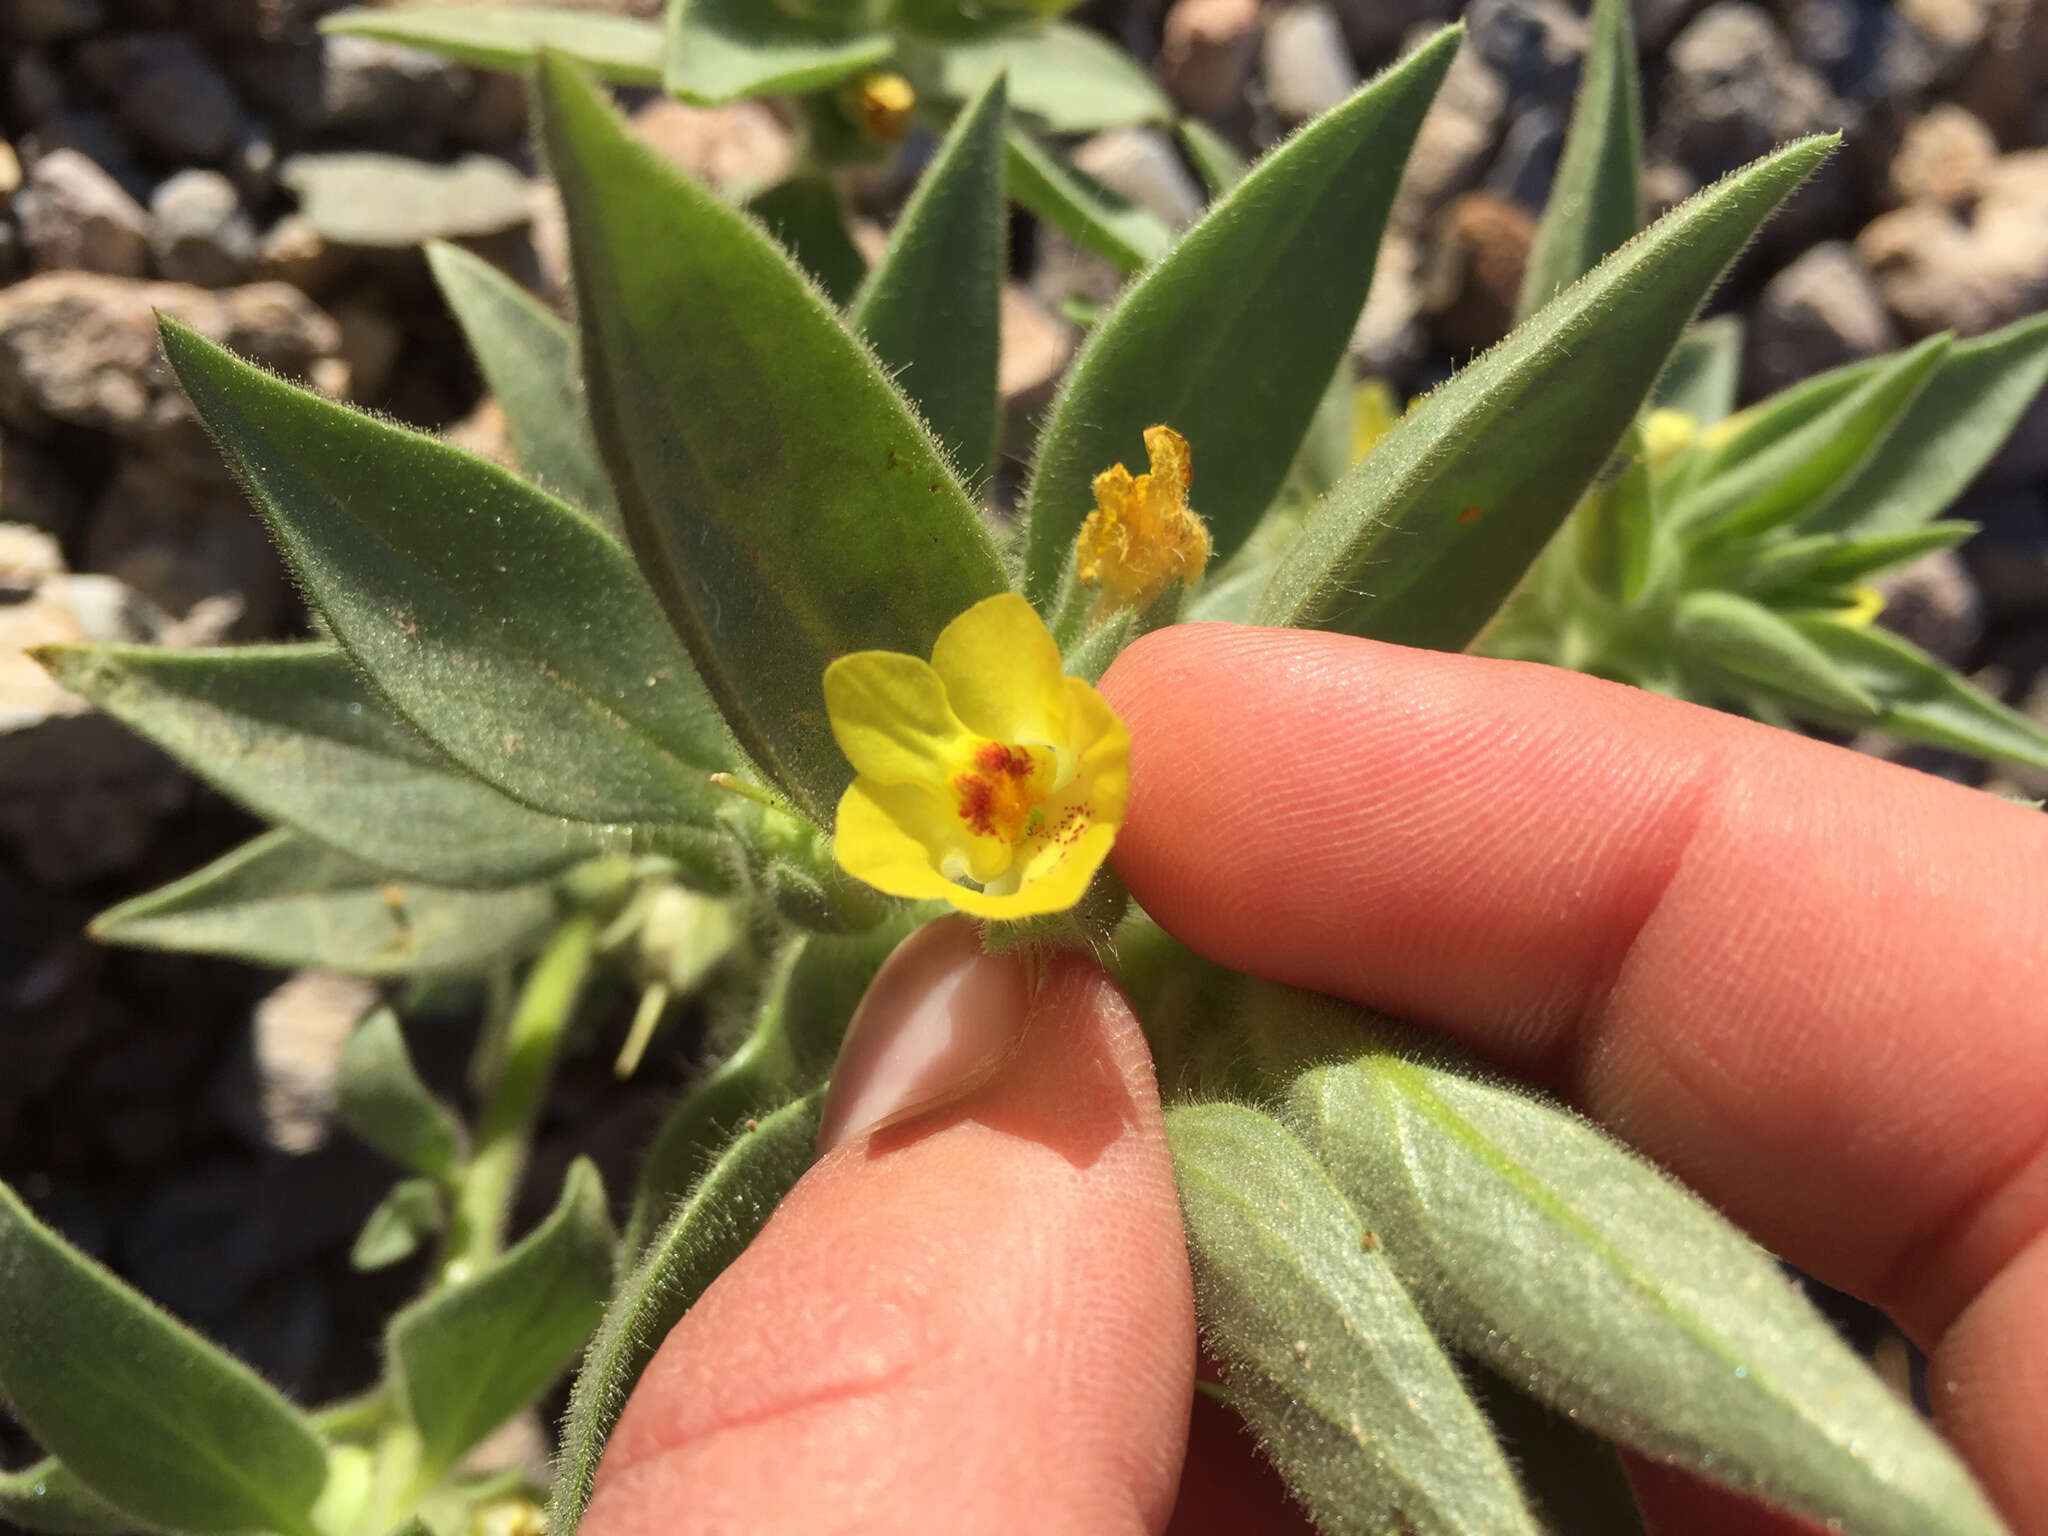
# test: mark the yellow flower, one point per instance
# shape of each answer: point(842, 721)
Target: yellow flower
point(882, 105)
point(986, 778)
point(1142, 537)
point(1864, 604)
point(1667, 434)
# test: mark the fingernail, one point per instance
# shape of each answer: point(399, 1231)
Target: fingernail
point(938, 1021)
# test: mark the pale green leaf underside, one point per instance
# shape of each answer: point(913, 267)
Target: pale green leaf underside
point(379, 1097)
point(722, 50)
point(1070, 79)
point(621, 48)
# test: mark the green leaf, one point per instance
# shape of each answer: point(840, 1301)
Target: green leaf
point(528, 359)
point(802, 212)
point(1232, 338)
point(413, 1212)
point(380, 1098)
point(932, 306)
point(1219, 165)
point(782, 497)
point(1426, 537)
point(1852, 559)
point(469, 1357)
point(1920, 699)
point(1950, 432)
point(1596, 202)
point(1567, 1263)
point(620, 48)
point(281, 900)
point(729, 1205)
point(145, 1412)
point(1704, 372)
point(1741, 437)
point(722, 50)
point(1080, 207)
point(1070, 79)
point(45, 1496)
point(1323, 1350)
point(295, 734)
point(1615, 526)
point(501, 622)
point(1797, 474)
point(1747, 641)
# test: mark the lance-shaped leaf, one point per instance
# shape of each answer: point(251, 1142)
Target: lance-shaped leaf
point(782, 497)
point(1081, 208)
point(504, 625)
point(1854, 558)
point(413, 1212)
point(1704, 372)
point(1741, 437)
point(1739, 639)
point(1919, 698)
point(1616, 525)
point(469, 1357)
point(1596, 201)
point(932, 306)
point(1232, 338)
point(721, 50)
point(144, 1411)
point(1798, 474)
point(803, 213)
point(1324, 1353)
point(1550, 1251)
point(1950, 432)
point(621, 48)
point(46, 1496)
point(1071, 79)
point(528, 358)
point(1430, 532)
point(378, 1095)
point(295, 734)
point(284, 901)
point(707, 1232)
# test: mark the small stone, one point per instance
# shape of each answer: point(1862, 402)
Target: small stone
point(1939, 273)
point(485, 433)
point(293, 251)
point(1141, 165)
point(47, 21)
point(200, 233)
point(93, 135)
point(374, 200)
point(166, 94)
point(1527, 163)
point(370, 84)
point(2011, 229)
point(1934, 603)
point(1389, 339)
point(1036, 345)
point(734, 149)
point(1306, 62)
point(1844, 40)
point(299, 1032)
point(494, 114)
point(1942, 158)
point(371, 342)
point(1206, 51)
point(2004, 81)
point(178, 531)
point(10, 175)
point(34, 488)
point(1472, 275)
point(2009, 555)
point(1378, 29)
point(1456, 137)
point(252, 163)
point(73, 214)
point(1533, 45)
point(1952, 27)
point(1822, 310)
point(1733, 92)
point(37, 87)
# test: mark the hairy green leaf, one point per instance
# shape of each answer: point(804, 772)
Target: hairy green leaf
point(1704, 372)
point(46, 1496)
point(1080, 207)
point(722, 50)
point(284, 901)
point(803, 213)
point(1596, 201)
point(295, 734)
point(145, 1412)
point(469, 1357)
point(621, 48)
point(528, 358)
point(1745, 640)
point(1070, 79)
point(380, 1098)
point(1615, 525)
point(1426, 537)
point(708, 1231)
point(1232, 338)
point(503, 624)
point(1854, 558)
point(781, 495)
point(410, 1214)
point(1323, 1351)
point(1219, 165)
point(1572, 1266)
point(932, 306)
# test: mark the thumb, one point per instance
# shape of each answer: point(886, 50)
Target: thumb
point(974, 1310)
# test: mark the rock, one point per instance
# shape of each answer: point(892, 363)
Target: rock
point(494, 115)
point(1388, 339)
point(1036, 344)
point(1378, 29)
point(368, 85)
point(1658, 21)
point(37, 88)
point(165, 93)
point(10, 175)
point(1937, 272)
point(1734, 92)
point(370, 344)
point(199, 232)
point(735, 149)
point(1942, 159)
point(45, 21)
point(2005, 79)
point(1472, 273)
point(1845, 40)
point(73, 214)
point(299, 1032)
point(1306, 62)
point(1934, 603)
point(1141, 165)
point(377, 200)
point(80, 348)
point(93, 135)
point(252, 163)
point(1533, 45)
point(2011, 229)
point(2009, 555)
point(1527, 163)
point(1454, 141)
point(293, 251)
point(1822, 310)
point(175, 528)
point(1206, 51)
point(1951, 28)
point(34, 489)
point(485, 433)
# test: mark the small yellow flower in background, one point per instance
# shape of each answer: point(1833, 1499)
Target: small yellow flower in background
point(882, 103)
point(1142, 537)
point(986, 777)
point(1865, 604)
point(1374, 412)
point(1667, 434)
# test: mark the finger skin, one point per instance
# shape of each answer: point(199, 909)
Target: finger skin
point(1812, 984)
point(976, 1320)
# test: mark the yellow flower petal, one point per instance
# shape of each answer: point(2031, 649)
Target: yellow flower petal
point(891, 717)
point(1001, 671)
point(872, 845)
point(1142, 536)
